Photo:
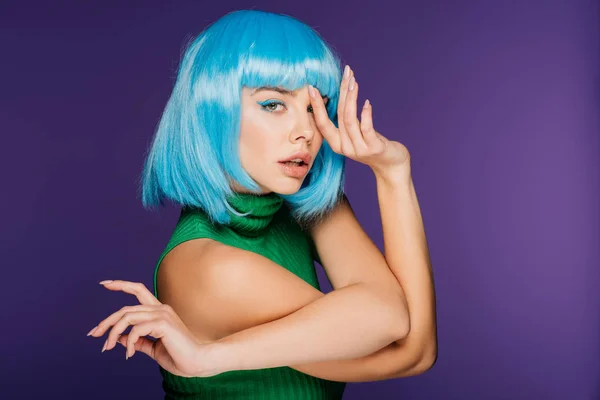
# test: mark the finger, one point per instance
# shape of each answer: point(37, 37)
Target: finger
point(143, 344)
point(366, 123)
point(352, 124)
point(137, 335)
point(323, 122)
point(348, 73)
point(114, 317)
point(172, 346)
point(130, 318)
point(346, 143)
point(136, 288)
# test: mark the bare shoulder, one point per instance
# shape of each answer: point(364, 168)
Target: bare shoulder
point(193, 264)
point(191, 248)
point(218, 289)
point(347, 253)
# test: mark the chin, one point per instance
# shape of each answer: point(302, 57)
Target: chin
point(287, 192)
point(286, 186)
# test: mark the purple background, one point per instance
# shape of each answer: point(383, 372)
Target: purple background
point(497, 102)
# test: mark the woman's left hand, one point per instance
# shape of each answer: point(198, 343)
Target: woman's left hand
point(353, 139)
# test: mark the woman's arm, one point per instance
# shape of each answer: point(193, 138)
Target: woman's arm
point(408, 258)
point(256, 314)
point(350, 322)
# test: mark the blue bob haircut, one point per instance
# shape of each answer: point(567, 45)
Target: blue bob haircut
point(194, 152)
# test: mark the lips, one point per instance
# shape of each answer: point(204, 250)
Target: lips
point(304, 156)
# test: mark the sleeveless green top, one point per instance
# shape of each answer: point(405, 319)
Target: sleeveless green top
point(271, 232)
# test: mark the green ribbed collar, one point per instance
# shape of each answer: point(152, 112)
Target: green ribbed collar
point(262, 207)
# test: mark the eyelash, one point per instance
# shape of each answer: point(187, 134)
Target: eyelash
point(267, 103)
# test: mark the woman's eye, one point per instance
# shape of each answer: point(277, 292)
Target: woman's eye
point(271, 106)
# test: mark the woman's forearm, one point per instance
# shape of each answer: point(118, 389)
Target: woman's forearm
point(414, 354)
point(353, 321)
point(407, 255)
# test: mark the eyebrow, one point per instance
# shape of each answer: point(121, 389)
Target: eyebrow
point(279, 90)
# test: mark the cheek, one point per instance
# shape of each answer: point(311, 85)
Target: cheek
point(255, 146)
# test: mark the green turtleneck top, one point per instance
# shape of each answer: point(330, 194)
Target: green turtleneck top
point(271, 232)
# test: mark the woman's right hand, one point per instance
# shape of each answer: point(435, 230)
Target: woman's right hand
point(175, 349)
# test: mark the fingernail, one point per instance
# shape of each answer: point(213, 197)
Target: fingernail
point(367, 103)
point(352, 80)
point(104, 348)
point(311, 91)
point(346, 72)
point(92, 331)
point(103, 282)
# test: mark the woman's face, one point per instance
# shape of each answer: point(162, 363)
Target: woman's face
point(276, 124)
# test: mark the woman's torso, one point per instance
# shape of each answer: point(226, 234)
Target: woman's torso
point(285, 244)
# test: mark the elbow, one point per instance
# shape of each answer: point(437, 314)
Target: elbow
point(422, 364)
point(426, 361)
point(425, 364)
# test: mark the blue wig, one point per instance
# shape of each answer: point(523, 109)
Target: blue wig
point(194, 152)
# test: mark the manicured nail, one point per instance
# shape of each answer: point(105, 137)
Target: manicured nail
point(92, 331)
point(367, 103)
point(352, 80)
point(346, 72)
point(311, 91)
point(104, 348)
point(104, 282)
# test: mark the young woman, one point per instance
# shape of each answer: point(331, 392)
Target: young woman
point(252, 145)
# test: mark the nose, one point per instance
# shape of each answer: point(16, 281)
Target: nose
point(303, 129)
point(307, 134)
point(304, 126)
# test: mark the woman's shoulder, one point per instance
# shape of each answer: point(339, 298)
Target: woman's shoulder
point(191, 249)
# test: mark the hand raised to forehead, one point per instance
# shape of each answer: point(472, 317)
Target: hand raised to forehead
point(356, 140)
